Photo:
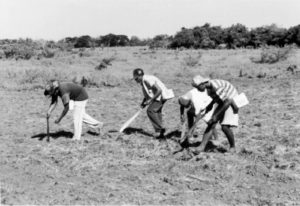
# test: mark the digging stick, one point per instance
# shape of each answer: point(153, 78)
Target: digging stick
point(128, 122)
point(48, 136)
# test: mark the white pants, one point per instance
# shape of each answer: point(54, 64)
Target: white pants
point(80, 116)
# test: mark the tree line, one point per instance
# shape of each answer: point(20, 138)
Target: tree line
point(199, 37)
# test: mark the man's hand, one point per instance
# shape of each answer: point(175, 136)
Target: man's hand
point(57, 121)
point(235, 110)
point(48, 115)
point(146, 103)
point(143, 105)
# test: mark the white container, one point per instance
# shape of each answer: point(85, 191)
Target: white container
point(241, 100)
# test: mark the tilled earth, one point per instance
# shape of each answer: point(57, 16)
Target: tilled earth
point(135, 168)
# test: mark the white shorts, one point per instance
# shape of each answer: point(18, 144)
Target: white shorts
point(229, 117)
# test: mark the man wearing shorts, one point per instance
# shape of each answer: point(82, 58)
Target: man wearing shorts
point(74, 97)
point(226, 113)
point(193, 102)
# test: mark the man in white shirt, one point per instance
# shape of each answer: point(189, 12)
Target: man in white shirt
point(155, 95)
point(194, 102)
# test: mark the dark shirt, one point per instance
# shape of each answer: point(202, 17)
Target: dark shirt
point(71, 91)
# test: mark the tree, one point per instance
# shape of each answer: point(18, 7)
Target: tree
point(236, 36)
point(184, 38)
point(114, 40)
point(160, 41)
point(135, 41)
point(84, 42)
point(293, 35)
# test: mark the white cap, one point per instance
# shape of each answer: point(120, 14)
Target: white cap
point(198, 80)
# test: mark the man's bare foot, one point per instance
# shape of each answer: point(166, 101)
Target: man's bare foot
point(232, 150)
point(196, 151)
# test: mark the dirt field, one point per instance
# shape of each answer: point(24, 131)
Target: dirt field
point(134, 167)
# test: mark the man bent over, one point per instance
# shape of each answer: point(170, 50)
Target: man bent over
point(79, 96)
point(226, 113)
point(193, 102)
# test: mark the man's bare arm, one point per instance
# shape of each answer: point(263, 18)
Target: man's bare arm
point(52, 106)
point(65, 99)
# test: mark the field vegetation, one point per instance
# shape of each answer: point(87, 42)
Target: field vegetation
point(134, 167)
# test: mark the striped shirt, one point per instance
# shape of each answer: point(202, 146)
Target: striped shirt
point(224, 89)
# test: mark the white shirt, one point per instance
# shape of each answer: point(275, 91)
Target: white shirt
point(199, 100)
point(148, 83)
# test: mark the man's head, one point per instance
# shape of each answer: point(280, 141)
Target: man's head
point(138, 75)
point(200, 83)
point(51, 88)
point(184, 102)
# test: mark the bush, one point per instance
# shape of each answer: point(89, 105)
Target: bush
point(271, 55)
point(18, 51)
point(104, 63)
point(47, 53)
point(84, 53)
point(192, 61)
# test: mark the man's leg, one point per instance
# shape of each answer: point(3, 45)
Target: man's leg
point(229, 134)
point(78, 116)
point(206, 137)
point(230, 120)
point(91, 122)
point(215, 134)
point(154, 113)
point(190, 118)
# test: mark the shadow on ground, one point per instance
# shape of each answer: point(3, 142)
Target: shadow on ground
point(175, 133)
point(210, 147)
point(54, 135)
point(132, 130)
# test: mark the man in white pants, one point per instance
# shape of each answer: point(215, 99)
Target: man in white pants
point(74, 97)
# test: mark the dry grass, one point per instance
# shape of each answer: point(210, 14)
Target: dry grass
point(134, 168)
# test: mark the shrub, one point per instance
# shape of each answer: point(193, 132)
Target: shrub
point(104, 63)
point(47, 53)
point(18, 51)
point(192, 61)
point(271, 55)
point(84, 53)
point(2, 54)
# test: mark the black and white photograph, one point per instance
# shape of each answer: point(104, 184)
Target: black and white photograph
point(150, 102)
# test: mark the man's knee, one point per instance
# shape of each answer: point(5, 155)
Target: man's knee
point(150, 111)
point(225, 128)
point(210, 127)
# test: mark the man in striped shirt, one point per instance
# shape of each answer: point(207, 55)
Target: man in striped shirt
point(222, 93)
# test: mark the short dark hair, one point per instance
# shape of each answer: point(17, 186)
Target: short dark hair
point(50, 87)
point(138, 72)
